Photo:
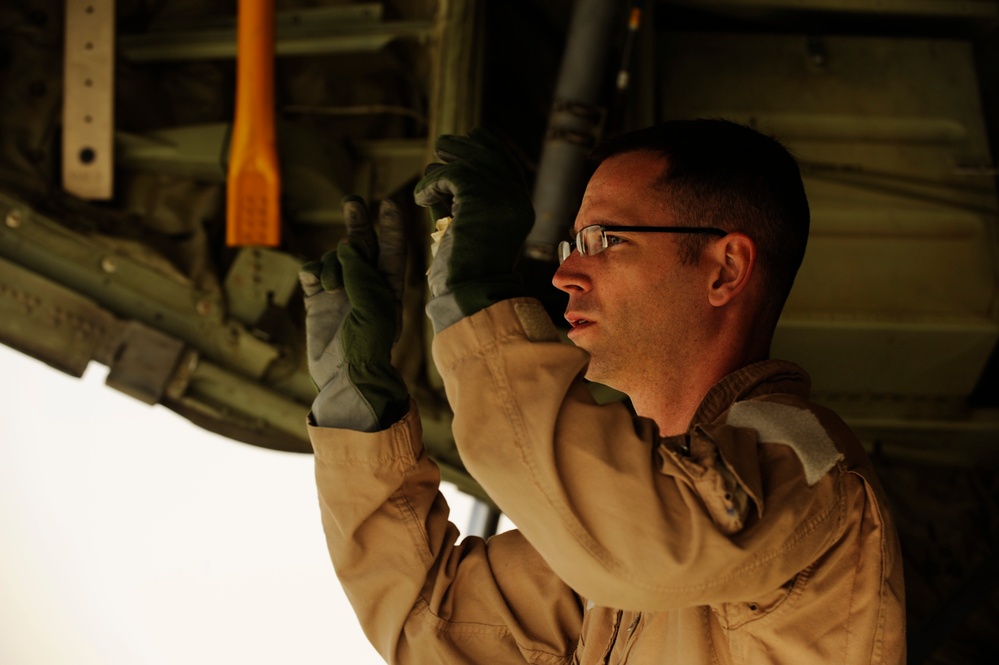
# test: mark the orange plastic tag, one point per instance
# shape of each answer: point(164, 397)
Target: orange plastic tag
point(253, 191)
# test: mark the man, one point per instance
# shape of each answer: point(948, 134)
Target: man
point(731, 521)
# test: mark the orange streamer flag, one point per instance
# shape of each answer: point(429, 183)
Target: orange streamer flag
point(253, 193)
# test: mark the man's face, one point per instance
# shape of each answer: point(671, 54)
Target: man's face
point(629, 306)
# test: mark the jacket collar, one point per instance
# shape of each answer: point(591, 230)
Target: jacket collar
point(766, 377)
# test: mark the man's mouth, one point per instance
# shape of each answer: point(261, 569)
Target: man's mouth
point(576, 321)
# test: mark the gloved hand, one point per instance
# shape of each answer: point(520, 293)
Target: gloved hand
point(353, 318)
point(481, 186)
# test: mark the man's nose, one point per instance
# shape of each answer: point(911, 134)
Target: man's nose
point(571, 276)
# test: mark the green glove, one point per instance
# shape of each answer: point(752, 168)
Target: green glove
point(481, 185)
point(353, 318)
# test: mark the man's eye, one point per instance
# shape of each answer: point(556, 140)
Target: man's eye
point(615, 240)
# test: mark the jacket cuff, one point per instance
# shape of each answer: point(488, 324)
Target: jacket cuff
point(401, 443)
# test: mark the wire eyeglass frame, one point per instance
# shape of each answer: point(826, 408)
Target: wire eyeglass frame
point(586, 240)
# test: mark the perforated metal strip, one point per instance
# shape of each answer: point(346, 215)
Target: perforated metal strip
point(88, 99)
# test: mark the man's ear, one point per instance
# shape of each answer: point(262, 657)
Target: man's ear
point(733, 261)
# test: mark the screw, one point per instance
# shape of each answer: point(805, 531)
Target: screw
point(13, 219)
point(108, 264)
point(203, 307)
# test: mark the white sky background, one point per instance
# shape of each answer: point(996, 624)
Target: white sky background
point(128, 535)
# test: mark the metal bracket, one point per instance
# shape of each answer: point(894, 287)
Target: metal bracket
point(144, 362)
point(259, 280)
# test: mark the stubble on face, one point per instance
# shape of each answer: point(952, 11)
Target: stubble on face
point(645, 337)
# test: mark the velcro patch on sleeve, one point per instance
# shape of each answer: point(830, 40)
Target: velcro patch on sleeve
point(794, 427)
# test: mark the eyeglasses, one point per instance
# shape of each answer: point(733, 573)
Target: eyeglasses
point(593, 239)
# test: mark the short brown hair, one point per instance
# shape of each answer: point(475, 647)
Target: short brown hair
point(726, 175)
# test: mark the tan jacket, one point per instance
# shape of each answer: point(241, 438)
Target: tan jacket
point(760, 536)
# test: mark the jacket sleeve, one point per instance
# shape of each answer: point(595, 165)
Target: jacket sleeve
point(419, 596)
point(626, 521)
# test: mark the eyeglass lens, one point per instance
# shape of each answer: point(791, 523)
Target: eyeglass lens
point(590, 240)
point(564, 250)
